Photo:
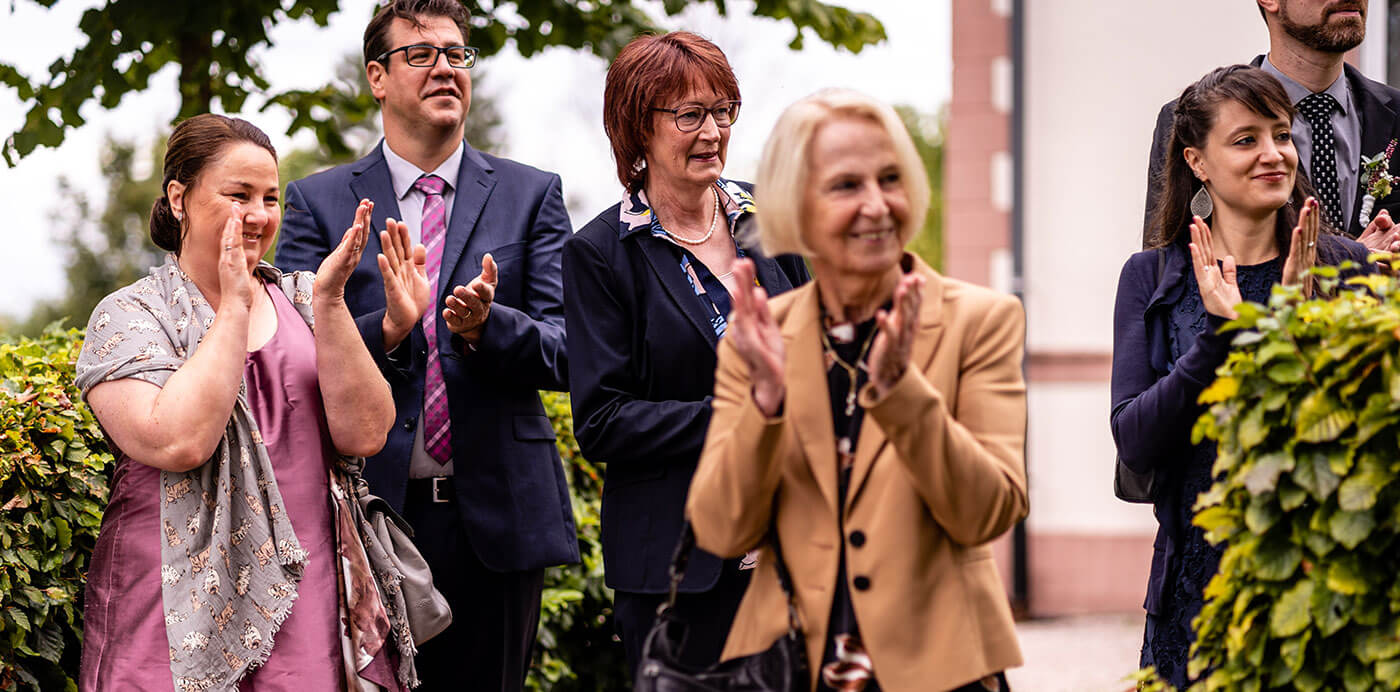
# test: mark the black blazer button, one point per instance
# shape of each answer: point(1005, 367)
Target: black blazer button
point(857, 538)
point(410, 422)
point(861, 583)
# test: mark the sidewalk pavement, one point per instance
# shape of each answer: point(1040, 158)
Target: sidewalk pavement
point(1089, 653)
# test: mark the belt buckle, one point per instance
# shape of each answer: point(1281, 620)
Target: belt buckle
point(438, 497)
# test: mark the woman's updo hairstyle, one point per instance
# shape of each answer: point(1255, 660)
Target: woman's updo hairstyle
point(194, 144)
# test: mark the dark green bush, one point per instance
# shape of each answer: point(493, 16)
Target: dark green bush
point(53, 488)
point(54, 465)
point(1306, 416)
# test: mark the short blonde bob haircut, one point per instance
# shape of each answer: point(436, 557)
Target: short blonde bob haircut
point(784, 172)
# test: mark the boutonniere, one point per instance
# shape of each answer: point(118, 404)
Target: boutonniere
point(1375, 170)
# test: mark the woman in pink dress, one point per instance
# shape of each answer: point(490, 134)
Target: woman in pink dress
point(222, 560)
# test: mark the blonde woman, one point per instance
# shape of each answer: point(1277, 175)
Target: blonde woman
point(874, 419)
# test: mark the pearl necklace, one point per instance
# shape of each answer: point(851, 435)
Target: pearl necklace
point(714, 217)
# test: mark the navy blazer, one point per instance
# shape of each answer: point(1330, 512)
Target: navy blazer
point(512, 495)
point(642, 378)
point(1154, 399)
point(1379, 106)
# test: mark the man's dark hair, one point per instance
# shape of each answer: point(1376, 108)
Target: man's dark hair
point(412, 11)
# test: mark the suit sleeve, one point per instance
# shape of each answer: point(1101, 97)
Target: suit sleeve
point(731, 497)
point(1156, 158)
point(528, 341)
point(612, 421)
point(968, 462)
point(302, 243)
point(1152, 417)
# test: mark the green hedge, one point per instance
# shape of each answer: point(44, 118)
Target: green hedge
point(1306, 415)
point(53, 487)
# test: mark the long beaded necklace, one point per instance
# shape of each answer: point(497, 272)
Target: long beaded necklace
point(714, 219)
point(850, 368)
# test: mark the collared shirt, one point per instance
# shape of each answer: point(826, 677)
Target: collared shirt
point(402, 175)
point(1346, 134)
point(635, 215)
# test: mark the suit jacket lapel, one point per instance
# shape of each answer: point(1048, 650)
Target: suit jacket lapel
point(370, 180)
point(930, 332)
point(1378, 127)
point(475, 180)
point(668, 272)
point(807, 403)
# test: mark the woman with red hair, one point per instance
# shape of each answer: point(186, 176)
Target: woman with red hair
point(647, 286)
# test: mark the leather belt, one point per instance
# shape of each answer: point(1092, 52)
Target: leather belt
point(436, 489)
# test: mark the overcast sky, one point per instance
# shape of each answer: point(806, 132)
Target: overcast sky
point(551, 105)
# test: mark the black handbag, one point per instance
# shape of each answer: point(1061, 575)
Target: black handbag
point(782, 667)
point(1129, 485)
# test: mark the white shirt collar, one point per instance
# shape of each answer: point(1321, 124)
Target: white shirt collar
point(403, 174)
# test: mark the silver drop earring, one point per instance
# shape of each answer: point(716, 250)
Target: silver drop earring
point(1201, 203)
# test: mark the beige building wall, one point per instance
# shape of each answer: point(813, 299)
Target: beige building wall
point(1096, 72)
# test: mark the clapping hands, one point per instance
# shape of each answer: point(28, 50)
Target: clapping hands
point(1381, 235)
point(406, 290)
point(757, 338)
point(1302, 249)
point(1220, 291)
point(466, 310)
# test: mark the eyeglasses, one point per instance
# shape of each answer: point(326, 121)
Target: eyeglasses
point(425, 55)
point(690, 117)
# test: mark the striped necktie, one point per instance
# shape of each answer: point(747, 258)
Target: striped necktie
point(437, 438)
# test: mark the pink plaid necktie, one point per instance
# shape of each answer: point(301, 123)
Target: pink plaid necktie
point(437, 439)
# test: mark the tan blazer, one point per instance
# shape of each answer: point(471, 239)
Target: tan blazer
point(939, 472)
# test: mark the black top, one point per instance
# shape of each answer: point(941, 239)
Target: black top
point(851, 350)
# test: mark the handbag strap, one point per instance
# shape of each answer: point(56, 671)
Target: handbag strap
point(680, 559)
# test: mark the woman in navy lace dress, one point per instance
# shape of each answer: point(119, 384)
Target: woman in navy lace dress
point(1236, 218)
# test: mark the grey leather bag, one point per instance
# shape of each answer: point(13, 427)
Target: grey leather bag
point(428, 612)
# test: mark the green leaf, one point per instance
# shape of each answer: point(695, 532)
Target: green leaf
point(1294, 650)
point(1253, 431)
point(1262, 475)
point(1321, 419)
point(1330, 610)
point(1356, 677)
point(1344, 575)
point(1291, 497)
point(1291, 371)
point(1276, 560)
point(1263, 512)
point(1351, 528)
point(1359, 490)
point(1388, 673)
point(1314, 474)
point(1375, 644)
point(1289, 614)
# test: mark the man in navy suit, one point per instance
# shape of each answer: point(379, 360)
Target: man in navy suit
point(1308, 40)
point(471, 462)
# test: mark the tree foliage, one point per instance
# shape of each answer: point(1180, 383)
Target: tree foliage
point(215, 45)
point(1306, 415)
